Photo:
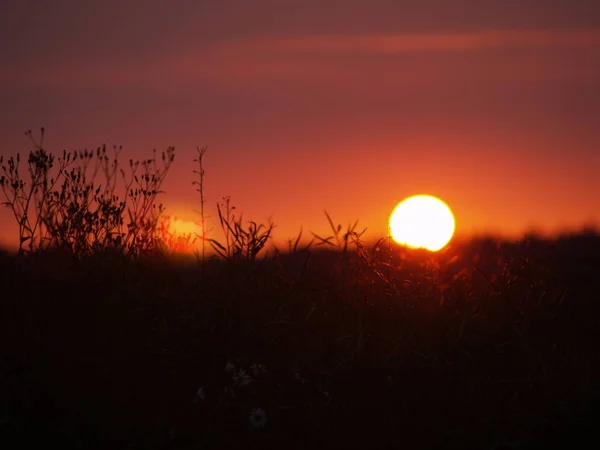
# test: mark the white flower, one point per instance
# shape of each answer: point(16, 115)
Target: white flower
point(201, 393)
point(240, 379)
point(297, 377)
point(258, 418)
point(229, 367)
point(258, 369)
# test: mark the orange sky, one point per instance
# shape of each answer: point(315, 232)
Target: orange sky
point(307, 106)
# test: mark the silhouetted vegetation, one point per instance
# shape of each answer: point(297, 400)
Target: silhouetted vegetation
point(110, 342)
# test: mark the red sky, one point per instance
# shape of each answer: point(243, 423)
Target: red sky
point(348, 106)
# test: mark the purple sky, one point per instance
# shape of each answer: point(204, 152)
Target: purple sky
point(308, 105)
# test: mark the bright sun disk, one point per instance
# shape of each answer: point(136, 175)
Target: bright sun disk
point(422, 221)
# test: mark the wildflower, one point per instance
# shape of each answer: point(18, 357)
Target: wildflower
point(258, 369)
point(201, 393)
point(229, 367)
point(240, 379)
point(297, 377)
point(258, 417)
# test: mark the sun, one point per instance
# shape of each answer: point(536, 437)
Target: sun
point(422, 221)
point(176, 234)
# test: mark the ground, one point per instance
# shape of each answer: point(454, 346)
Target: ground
point(486, 345)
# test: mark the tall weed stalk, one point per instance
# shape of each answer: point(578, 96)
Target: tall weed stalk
point(60, 202)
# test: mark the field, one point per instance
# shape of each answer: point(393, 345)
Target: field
point(110, 339)
point(486, 345)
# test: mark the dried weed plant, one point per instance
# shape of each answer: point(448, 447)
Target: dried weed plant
point(60, 202)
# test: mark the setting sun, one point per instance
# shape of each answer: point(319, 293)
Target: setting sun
point(422, 221)
point(177, 234)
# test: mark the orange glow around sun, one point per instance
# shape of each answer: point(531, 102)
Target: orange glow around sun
point(178, 235)
point(422, 221)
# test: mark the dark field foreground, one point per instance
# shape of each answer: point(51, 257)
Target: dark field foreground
point(482, 346)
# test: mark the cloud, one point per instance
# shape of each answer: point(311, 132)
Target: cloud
point(324, 58)
point(539, 55)
point(408, 43)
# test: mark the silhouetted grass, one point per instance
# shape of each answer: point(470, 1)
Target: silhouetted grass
point(111, 354)
point(487, 344)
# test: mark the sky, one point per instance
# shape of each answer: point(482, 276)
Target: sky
point(305, 106)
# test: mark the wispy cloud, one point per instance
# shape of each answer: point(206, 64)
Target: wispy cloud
point(542, 55)
point(404, 43)
point(302, 58)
